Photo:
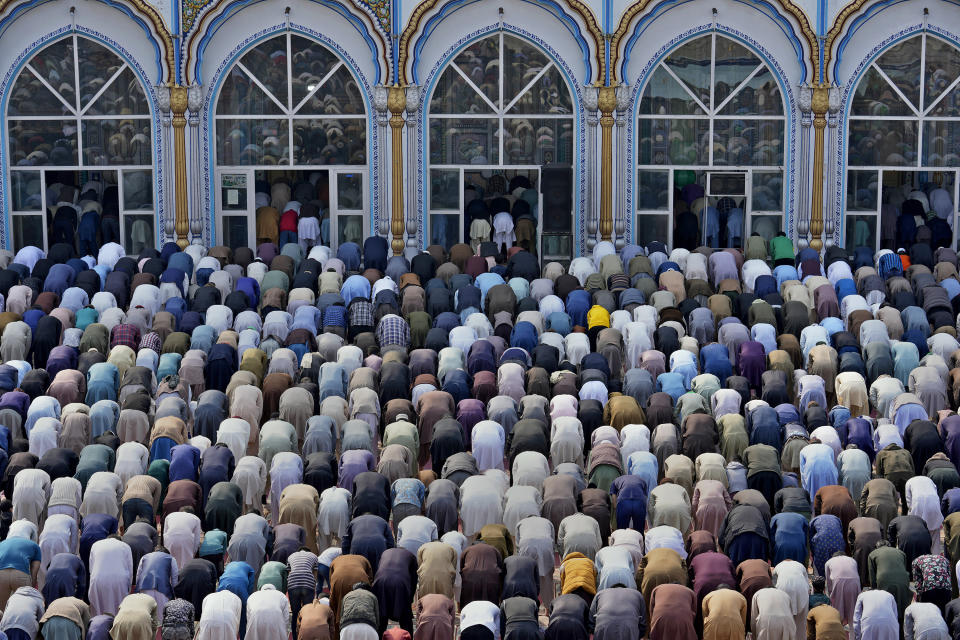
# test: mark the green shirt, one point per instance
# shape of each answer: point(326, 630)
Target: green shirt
point(274, 573)
point(781, 248)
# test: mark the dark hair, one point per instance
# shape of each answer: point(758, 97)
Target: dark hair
point(819, 583)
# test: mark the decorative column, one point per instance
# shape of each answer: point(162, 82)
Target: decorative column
point(413, 106)
point(163, 104)
point(195, 103)
point(607, 101)
point(396, 102)
point(620, 214)
point(178, 104)
point(804, 99)
point(380, 93)
point(833, 139)
point(590, 97)
point(819, 103)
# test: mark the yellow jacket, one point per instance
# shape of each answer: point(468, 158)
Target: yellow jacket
point(577, 572)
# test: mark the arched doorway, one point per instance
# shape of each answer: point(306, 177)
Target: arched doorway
point(500, 118)
point(711, 130)
point(902, 138)
point(290, 112)
point(79, 132)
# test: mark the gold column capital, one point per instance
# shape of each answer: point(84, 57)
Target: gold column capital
point(396, 103)
point(607, 102)
point(819, 104)
point(178, 106)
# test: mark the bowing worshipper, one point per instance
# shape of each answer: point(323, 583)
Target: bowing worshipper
point(196, 580)
point(909, 534)
point(826, 538)
point(22, 614)
point(221, 616)
point(268, 614)
point(894, 463)
point(66, 577)
point(480, 619)
point(535, 540)
point(156, 577)
point(824, 623)
point(20, 560)
point(182, 535)
point(368, 535)
point(724, 614)
point(887, 570)
point(518, 619)
point(579, 533)
point(789, 532)
point(660, 566)
point(618, 613)
point(394, 586)
point(752, 576)
point(879, 500)
point(817, 466)
point(924, 620)
point(136, 618)
point(923, 501)
point(359, 619)
point(842, 584)
point(744, 534)
point(481, 573)
point(771, 615)
point(111, 574)
point(437, 569)
point(178, 620)
point(669, 504)
point(673, 608)
point(67, 618)
point(790, 577)
point(569, 619)
point(931, 578)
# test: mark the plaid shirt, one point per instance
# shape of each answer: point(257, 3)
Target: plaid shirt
point(151, 340)
point(361, 313)
point(125, 334)
point(393, 330)
point(335, 316)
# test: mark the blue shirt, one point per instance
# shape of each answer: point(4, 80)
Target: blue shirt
point(407, 491)
point(18, 553)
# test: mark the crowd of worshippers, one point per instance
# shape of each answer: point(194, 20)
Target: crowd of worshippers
point(299, 214)
point(501, 212)
point(222, 444)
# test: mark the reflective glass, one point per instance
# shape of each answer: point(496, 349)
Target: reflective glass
point(233, 192)
point(252, 142)
point(663, 95)
point(901, 63)
point(767, 189)
point(241, 96)
point(113, 142)
point(54, 63)
point(350, 191)
point(733, 62)
point(521, 64)
point(138, 232)
point(329, 141)
point(537, 140)
point(122, 96)
point(464, 141)
point(268, 64)
point(454, 95)
point(861, 231)
point(882, 142)
point(862, 190)
point(941, 143)
point(691, 63)
point(445, 189)
point(27, 231)
point(25, 187)
point(942, 62)
point(481, 63)
point(43, 142)
point(30, 98)
point(444, 229)
point(748, 142)
point(651, 228)
point(767, 225)
point(759, 96)
point(97, 65)
point(235, 231)
point(674, 141)
point(549, 94)
point(875, 97)
point(653, 192)
point(137, 190)
point(350, 228)
point(310, 64)
point(339, 95)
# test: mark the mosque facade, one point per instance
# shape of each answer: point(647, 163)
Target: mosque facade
point(598, 119)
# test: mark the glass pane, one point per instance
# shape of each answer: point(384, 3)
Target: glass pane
point(310, 64)
point(137, 190)
point(444, 229)
point(652, 190)
point(691, 63)
point(30, 98)
point(948, 105)
point(233, 192)
point(481, 63)
point(557, 246)
point(268, 64)
point(940, 140)
point(445, 189)
point(55, 65)
point(97, 65)
point(748, 142)
point(26, 187)
point(330, 141)
point(943, 67)
point(350, 191)
point(43, 142)
point(235, 231)
point(664, 96)
point(549, 94)
point(112, 142)
point(521, 64)
point(464, 141)
point(537, 141)
point(340, 95)
point(862, 190)
point(734, 62)
point(651, 228)
point(241, 96)
point(138, 232)
point(861, 231)
point(767, 190)
point(250, 142)
point(123, 96)
point(350, 228)
point(453, 95)
point(760, 96)
point(674, 141)
point(901, 63)
point(882, 142)
point(27, 231)
point(875, 97)
point(767, 225)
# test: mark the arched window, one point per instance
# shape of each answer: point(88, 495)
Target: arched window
point(711, 131)
point(290, 118)
point(902, 141)
point(499, 112)
point(79, 131)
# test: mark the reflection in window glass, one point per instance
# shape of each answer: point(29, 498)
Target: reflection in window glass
point(767, 190)
point(444, 189)
point(235, 231)
point(27, 231)
point(861, 231)
point(444, 229)
point(652, 190)
point(137, 190)
point(25, 190)
point(652, 228)
point(139, 232)
point(350, 191)
point(767, 225)
point(350, 228)
point(862, 190)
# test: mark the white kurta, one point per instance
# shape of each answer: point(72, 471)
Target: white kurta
point(268, 615)
point(111, 574)
point(221, 617)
